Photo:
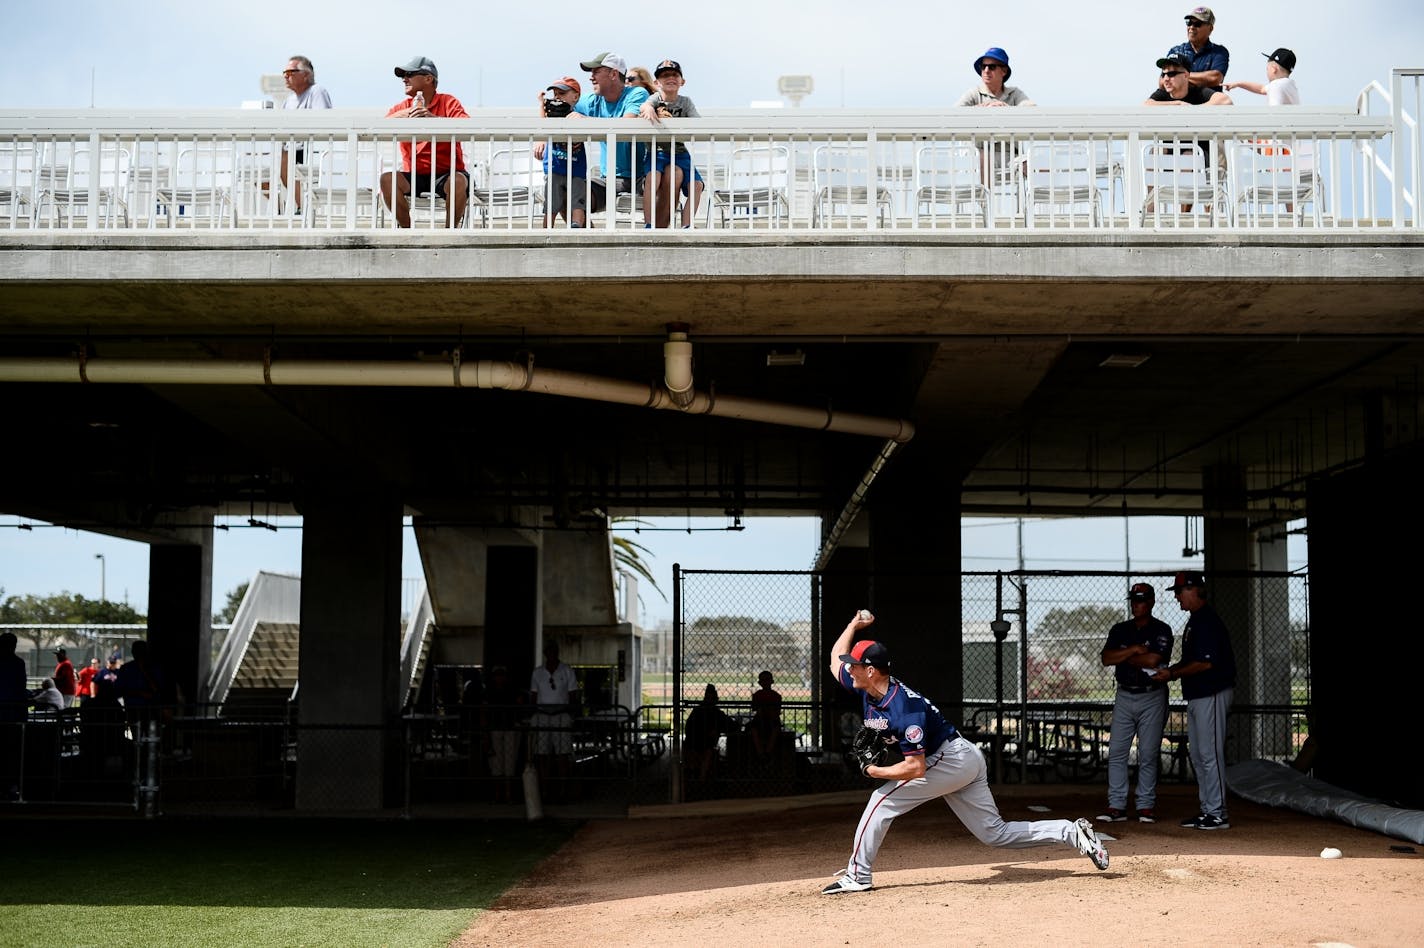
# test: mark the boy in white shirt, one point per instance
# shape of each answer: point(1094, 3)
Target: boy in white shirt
point(1279, 88)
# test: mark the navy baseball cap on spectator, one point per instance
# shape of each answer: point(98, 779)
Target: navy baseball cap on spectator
point(417, 65)
point(668, 65)
point(1175, 59)
point(1141, 592)
point(868, 652)
point(997, 54)
point(1187, 580)
point(1201, 13)
point(1282, 57)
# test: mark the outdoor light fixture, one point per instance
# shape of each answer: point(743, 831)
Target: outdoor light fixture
point(794, 357)
point(1124, 360)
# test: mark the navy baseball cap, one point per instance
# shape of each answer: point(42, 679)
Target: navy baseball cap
point(1175, 59)
point(1141, 592)
point(868, 652)
point(1187, 580)
point(668, 65)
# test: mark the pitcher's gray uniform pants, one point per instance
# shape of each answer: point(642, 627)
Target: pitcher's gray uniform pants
point(1143, 714)
point(958, 773)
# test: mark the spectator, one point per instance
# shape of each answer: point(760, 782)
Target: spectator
point(1279, 88)
point(706, 724)
point(640, 77)
point(1173, 87)
point(431, 169)
point(143, 686)
point(1208, 673)
point(1136, 647)
point(765, 725)
point(14, 707)
point(1207, 61)
point(64, 678)
point(568, 190)
point(48, 697)
point(105, 683)
point(87, 674)
point(554, 689)
point(993, 71)
point(669, 102)
point(612, 97)
point(300, 77)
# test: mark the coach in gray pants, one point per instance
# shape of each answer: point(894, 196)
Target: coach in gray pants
point(1137, 647)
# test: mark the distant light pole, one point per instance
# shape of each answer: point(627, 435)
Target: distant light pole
point(102, 564)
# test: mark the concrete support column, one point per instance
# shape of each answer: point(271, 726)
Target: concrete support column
point(1226, 534)
point(180, 593)
point(349, 699)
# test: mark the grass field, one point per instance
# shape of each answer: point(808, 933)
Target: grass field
point(284, 882)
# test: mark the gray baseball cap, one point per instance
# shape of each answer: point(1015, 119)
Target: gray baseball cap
point(418, 64)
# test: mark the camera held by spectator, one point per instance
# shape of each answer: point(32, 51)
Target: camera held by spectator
point(556, 108)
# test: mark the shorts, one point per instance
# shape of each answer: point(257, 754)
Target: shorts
point(598, 198)
point(553, 733)
point(426, 184)
point(565, 194)
point(504, 751)
point(683, 161)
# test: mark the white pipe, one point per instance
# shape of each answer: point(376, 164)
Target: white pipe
point(677, 368)
point(479, 374)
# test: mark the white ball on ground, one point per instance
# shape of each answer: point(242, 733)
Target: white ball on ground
point(1330, 852)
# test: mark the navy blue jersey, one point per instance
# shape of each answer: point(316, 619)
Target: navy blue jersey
point(1205, 639)
point(906, 714)
point(1156, 635)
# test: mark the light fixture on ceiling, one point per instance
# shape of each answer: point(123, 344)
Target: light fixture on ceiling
point(794, 357)
point(1124, 360)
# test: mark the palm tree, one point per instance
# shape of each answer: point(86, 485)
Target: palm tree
point(628, 554)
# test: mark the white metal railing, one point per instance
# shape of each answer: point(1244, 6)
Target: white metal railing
point(891, 170)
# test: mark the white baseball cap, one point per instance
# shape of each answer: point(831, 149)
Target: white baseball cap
point(612, 60)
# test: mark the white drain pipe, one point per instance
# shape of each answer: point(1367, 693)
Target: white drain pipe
point(483, 373)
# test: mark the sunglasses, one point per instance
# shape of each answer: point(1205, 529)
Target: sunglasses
point(1195, 24)
point(1172, 75)
point(991, 66)
point(292, 72)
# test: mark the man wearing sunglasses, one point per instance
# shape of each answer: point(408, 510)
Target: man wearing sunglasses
point(1208, 60)
point(427, 167)
point(1174, 87)
point(554, 690)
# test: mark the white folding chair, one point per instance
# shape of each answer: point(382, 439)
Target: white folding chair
point(1175, 174)
point(1060, 175)
point(203, 176)
point(344, 184)
point(512, 179)
point(949, 176)
point(81, 182)
point(754, 187)
point(843, 178)
point(1268, 175)
point(20, 164)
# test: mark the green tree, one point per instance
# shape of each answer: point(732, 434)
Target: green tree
point(229, 611)
point(62, 609)
point(629, 553)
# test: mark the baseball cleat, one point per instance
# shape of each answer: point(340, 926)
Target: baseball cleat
point(1212, 823)
point(845, 884)
point(1112, 815)
point(1192, 822)
point(1146, 816)
point(1089, 844)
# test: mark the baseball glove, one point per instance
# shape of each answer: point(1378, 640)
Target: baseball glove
point(870, 747)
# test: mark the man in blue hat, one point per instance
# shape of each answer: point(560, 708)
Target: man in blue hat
point(993, 71)
point(1208, 673)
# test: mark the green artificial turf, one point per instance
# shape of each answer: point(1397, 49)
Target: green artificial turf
point(263, 882)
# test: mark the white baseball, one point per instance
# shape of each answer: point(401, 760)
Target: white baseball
point(864, 615)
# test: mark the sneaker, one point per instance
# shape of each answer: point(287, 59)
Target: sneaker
point(1089, 844)
point(1192, 822)
point(1146, 816)
point(845, 884)
point(1213, 823)
point(1111, 815)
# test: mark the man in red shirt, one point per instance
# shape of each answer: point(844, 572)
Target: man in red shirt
point(86, 679)
point(445, 174)
point(65, 681)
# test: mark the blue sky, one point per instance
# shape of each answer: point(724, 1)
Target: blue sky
point(167, 54)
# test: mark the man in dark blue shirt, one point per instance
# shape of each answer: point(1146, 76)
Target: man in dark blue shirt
point(938, 762)
point(1136, 647)
point(1209, 61)
point(1208, 673)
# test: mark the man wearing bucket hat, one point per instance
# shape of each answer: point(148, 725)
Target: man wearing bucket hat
point(1208, 673)
point(1136, 647)
point(937, 763)
point(993, 71)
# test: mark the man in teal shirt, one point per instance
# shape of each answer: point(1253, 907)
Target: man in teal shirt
point(612, 97)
